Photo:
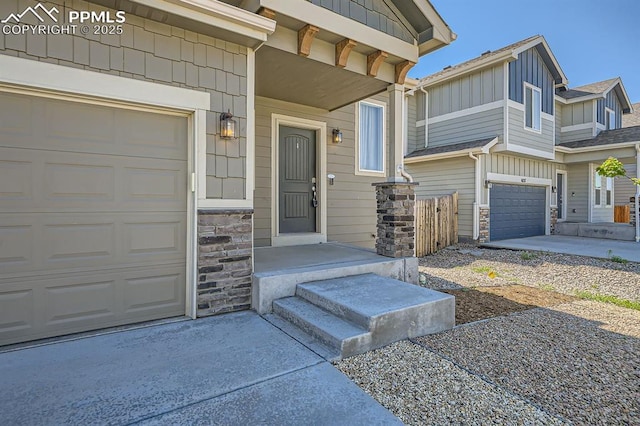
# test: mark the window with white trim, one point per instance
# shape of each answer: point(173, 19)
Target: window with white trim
point(609, 194)
point(603, 191)
point(532, 107)
point(597, 186)
point(370, 141)
point(610, 119)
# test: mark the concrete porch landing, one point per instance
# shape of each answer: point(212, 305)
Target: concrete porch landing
point(278, 270)
point(607, 230)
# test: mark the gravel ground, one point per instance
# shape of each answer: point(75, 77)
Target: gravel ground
point(468, 266)
point(580, 360)
point(422, 388)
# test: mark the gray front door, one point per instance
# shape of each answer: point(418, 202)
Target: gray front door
point(517, 211)
point(560, 194)
point(297, 180)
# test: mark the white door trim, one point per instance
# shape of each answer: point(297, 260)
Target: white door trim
point(18, 75)
point(564, 193)
point(320, 127)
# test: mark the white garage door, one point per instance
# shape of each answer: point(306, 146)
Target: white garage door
point(92, 216)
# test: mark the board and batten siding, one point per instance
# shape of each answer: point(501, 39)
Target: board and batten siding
point(480, 125)
point(444, 177)
point(578, 192)
point(530, 67)
point(518, 135)
point(351, 208)
point(415, 113)
point(156, 52)
point(578, 113)
point(623, 187)
point(612, 102)
point(558, 121)
point(480, 88)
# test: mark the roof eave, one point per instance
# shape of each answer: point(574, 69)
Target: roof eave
point(568, 150)
point(554, 61)
point(441, 35)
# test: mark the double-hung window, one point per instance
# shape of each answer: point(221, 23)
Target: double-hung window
point(532, 107)
point(609, 194)
point(610, 119)
point(603, 191)
point(597, 196)
point(370, 142)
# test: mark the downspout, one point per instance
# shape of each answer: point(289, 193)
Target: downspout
point(637, 206)
point(426, 116)
point(404, 173)
point(476, 202)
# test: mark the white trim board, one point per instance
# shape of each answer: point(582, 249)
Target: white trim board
point(574, 127)
point(364, 172)
point(527, 151)
point(468, 111)
point(35, 78)
point(518, 180)
point(321, 168)
point(565, 193)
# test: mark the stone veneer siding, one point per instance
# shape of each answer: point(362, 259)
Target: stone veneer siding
point(484, 225)
point(632, 209)
point(554, 220)
point(224, 261)
point(396, 219)
point(159, 53)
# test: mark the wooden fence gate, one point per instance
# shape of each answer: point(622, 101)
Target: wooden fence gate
point(621, 214)
point(436, 223)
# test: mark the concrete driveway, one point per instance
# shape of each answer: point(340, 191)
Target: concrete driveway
point(580, 246)
point(231, 369)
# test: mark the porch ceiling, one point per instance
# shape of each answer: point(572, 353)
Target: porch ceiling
point(293, 78)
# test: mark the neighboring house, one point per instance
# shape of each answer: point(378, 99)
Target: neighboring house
point(120, 200)
point(503, 131)
point(625, 189)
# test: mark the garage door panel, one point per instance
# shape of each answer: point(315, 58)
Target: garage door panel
point(16, 245)
point(78, 302)
point(44, 181)
point(76, 243)
point(30, 122)
point(154, 238)
point(517, 211)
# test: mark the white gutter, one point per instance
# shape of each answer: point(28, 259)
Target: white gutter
point(567, 150)
point(637, 206)
point(476, 202)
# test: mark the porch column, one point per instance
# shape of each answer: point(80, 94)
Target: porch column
point(395, 152)
point(396, 218)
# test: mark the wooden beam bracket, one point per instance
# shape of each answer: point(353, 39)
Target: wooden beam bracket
point(343, 49)
point(267, 13)
point(305, 38)
point(402, 69)
point(374, 60)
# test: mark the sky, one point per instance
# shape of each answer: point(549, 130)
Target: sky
point(593, 40)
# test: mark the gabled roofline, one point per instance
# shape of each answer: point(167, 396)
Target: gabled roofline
point(459, 153)
point(603, 95)
point(541, 39)
point(442, 34)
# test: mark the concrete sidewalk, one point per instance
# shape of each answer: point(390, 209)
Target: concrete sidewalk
point(580, 246)
point(230, 369)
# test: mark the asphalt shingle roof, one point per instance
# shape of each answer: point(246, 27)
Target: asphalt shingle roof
point(453, 69)
point(587, 90)
point(629, 120)
point(450, 148)
point(608, 137)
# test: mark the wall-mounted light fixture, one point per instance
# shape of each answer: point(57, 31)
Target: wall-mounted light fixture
point(573, 194)
point(487, 184)
point(337, 136)
point(554, 189)
point(228, 126)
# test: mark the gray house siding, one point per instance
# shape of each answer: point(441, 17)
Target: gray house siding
point(480, 88)
point(578, 192)
point(623, 187)
point(577, 135)
point(467, 128)
point(376, 14)
point(518, 135)
point(530, 67)
point(159, 53)
point(578, 113)
point(351, 208)
point(611, 102)
point(520, 166)
point(558, 121)
point(415, 113)
point(444, 177)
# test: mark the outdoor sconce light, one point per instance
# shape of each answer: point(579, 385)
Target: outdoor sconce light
point(487, 184)
point(228, 126)
point(554, 189)
point(337, 136)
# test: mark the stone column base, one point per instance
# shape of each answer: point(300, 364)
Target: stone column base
point(554, 220)
point(484, 225)
point(396, 219)
point(224, 261)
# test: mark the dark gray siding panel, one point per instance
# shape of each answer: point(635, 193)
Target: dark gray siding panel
point(530, 67)
point(376, 14)
point(517, 211)
point(613, 103)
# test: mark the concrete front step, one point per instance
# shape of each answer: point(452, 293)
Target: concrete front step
point(356, 314)
point(606, 230)
point(347, 338)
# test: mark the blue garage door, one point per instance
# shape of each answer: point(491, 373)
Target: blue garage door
point(517, 211)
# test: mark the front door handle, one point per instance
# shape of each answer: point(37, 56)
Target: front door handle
point(314, 195)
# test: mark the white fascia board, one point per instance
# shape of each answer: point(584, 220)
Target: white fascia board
point(345, 27)
point(568, 150)
point(618, 81)
point(217, 14)
point(58, 78)
point(460, 153)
